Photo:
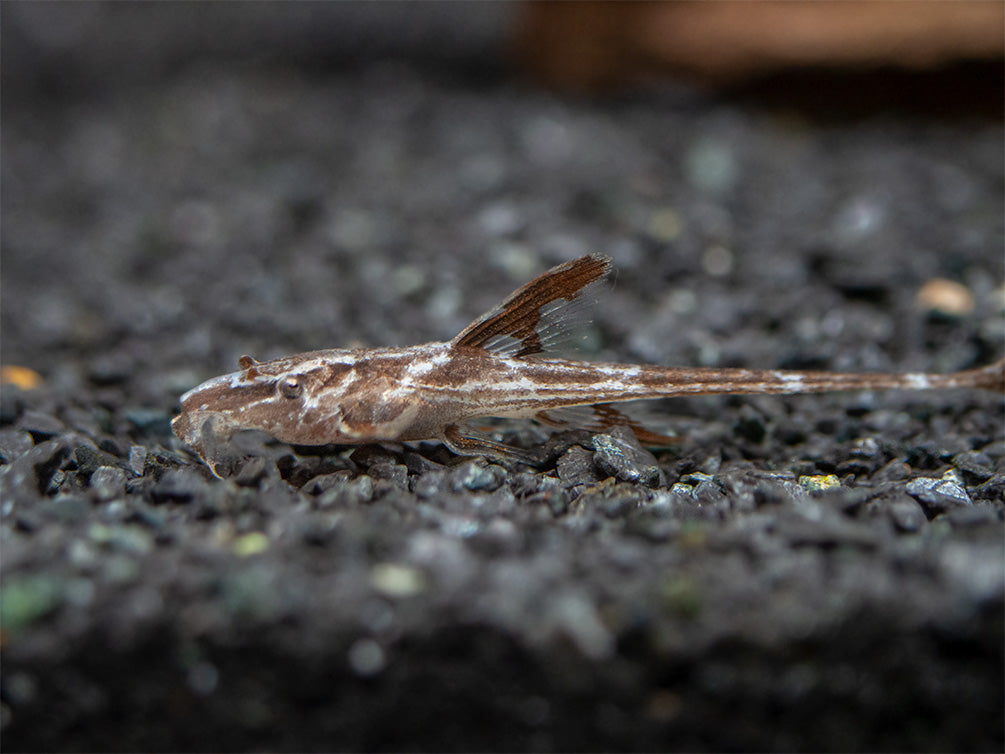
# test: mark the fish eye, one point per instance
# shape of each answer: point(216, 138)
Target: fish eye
point(290, 387)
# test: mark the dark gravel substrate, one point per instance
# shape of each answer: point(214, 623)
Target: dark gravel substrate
point(816, 573)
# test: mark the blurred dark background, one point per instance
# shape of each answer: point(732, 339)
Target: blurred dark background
point(941, 56)
point(67, 45)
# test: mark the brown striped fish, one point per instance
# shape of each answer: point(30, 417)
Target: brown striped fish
point(493, 368)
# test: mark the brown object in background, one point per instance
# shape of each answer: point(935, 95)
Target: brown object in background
point(595, 46)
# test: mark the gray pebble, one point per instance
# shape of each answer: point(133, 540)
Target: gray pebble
point(137, 459)
point(124, 538)
point(14, 443)
point(366, 456)
point(430, 485)
point(150, 421)
point(575, 467)
point(993, 490)
point(252, 471)
point(476, 477)
point(847, 500)
point(68, 507)
point(90, 459)
point(906, 515)
point(56, 481)
point(653, 526)
point(972, 516)
point(865, 447)
point(710, 494)
point(937, 495)
point(827, 532)
point(40, 425)
point(178, 486)
point(21, 481)
point(620, 455)
point(393, 472)
point(556, 500)
point(318, 529)
point(321, 483)
point(108, 482)
point(146, 514)
point(894, 471)
point(612, 499)
point(975, 467)
point(419, 464)
point(347, 493)
point(140, 485)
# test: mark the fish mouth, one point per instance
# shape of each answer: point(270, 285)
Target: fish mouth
point(202, 430)
point(182, 427)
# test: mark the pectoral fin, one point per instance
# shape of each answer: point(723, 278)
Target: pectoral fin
point(471, 442)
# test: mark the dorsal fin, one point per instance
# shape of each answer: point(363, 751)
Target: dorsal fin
point(525, 322)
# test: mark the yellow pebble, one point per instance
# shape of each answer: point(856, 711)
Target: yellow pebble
point(251, 544)
point(945, 296)
point(22, 377)
point(819, 482)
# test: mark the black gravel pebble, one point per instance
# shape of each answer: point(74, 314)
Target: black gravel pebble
point(975, 516)
point(89, 459)
point(366, 456)
point(252, 472)
point(907, 515)
point(178, 486)
point(618, 454)
point(576, 467)
point(393, 472)
point(25, 478)
point(150, 422)
point(41, 426)
point(992, 490)
point(976, 467)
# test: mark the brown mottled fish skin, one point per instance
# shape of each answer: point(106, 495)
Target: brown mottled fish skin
point(492, 368)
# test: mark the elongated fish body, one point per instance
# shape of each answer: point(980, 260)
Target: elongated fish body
point(493, 368)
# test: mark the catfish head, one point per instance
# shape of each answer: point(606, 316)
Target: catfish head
point(293, 399)
point(317, 398)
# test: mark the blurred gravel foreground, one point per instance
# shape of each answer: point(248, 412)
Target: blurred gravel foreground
point(818, 573)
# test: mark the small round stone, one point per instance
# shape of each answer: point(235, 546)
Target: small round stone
point(366, 657)
point(945, 297)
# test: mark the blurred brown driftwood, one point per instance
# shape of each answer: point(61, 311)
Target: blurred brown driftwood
point(603, 45)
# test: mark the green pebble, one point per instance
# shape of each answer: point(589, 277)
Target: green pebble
point(25, 599)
